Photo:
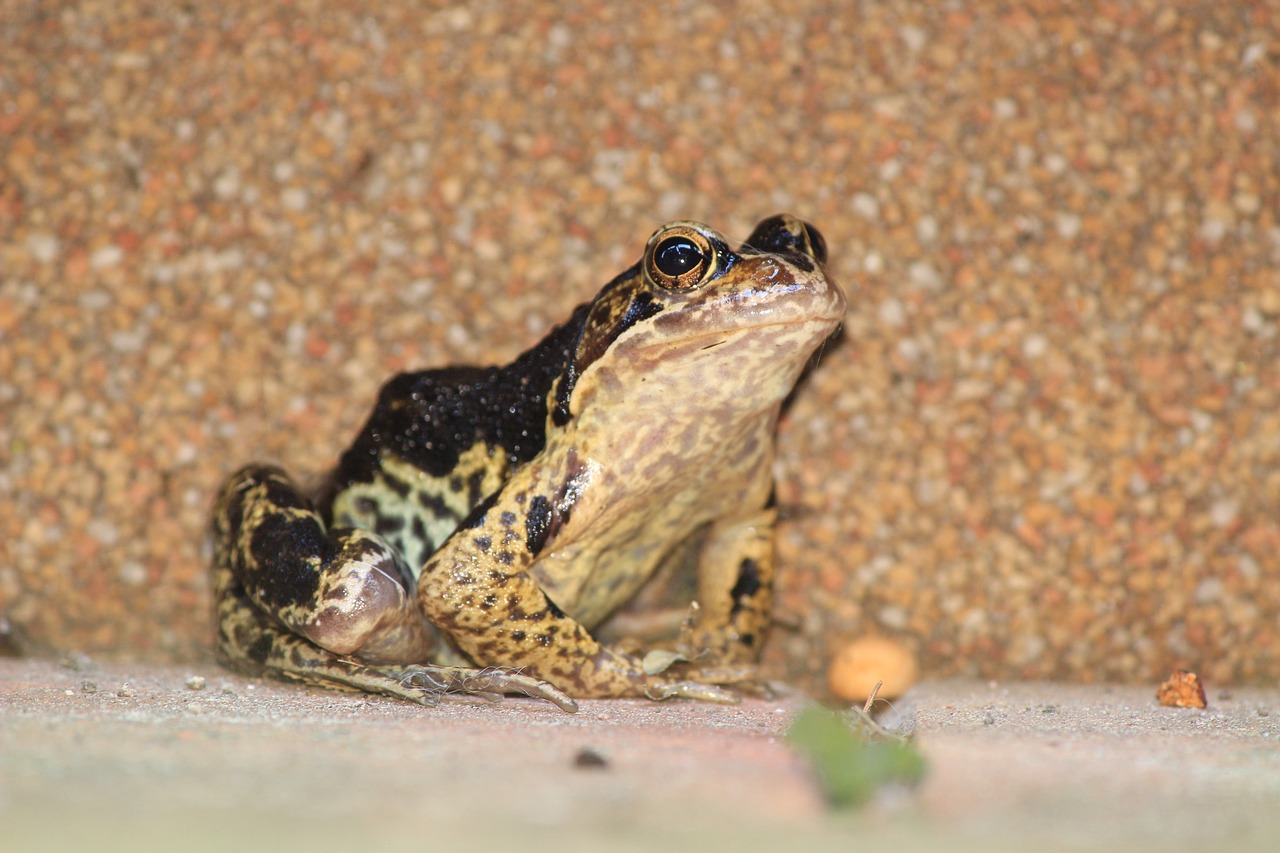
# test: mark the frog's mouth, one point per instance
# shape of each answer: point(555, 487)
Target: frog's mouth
point(795, 334)
point(764, 353)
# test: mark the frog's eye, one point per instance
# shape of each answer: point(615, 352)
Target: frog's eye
point(679, 258)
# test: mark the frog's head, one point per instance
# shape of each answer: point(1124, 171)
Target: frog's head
point(696, 324)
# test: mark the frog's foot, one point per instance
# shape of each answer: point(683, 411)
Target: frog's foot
point(251, 642)
point(701, 664)
point(491, 682)
point(426, 684)
point(660, 675)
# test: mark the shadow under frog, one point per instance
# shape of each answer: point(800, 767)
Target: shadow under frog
point(485, 520)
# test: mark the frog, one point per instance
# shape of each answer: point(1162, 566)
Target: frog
point(486, 521)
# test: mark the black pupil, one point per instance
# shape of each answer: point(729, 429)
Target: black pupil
point(675, 256)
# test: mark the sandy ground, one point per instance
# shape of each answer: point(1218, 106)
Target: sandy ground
point(113, 757)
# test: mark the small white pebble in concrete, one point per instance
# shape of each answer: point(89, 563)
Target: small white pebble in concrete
point(227, 184)
point(132, 573)
point(95, 300)
point(924, 276)
point(891, 313)
point(913, 37)
point(1212, 229)
point(1208, 590)
point(866, 206)
point(295, 199)
point(1067, 225)
point(103, 531)
point(1252, 320)
point(926, 229)
point(106, 257)
point(43, 247)
point(1224, 512)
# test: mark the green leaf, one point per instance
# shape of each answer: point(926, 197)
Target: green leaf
point(850, 765)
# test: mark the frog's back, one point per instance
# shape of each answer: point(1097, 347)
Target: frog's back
point(440, 442)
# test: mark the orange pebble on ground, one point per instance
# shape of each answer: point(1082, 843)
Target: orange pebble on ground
point(1182, 690)
point(857, 667)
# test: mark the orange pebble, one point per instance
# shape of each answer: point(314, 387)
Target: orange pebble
point(859, 665)
point(1182, 690)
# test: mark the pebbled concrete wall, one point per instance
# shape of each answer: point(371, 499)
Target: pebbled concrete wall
point(1047, 444)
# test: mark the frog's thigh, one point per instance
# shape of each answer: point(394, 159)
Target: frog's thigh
point(735, 589)
point(347, 591)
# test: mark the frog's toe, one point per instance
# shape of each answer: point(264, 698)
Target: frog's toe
point(495, 681)
point(426, 684)
point(692, 690)
point(422, 684)
point(732, 673)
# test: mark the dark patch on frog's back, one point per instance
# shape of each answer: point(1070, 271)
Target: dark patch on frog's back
point(429, 418)
point(290, 546)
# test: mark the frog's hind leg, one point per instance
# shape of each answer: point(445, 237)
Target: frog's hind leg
point(251, 643)
point(334, 608)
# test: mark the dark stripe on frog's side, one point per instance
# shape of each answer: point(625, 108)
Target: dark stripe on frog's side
point(386, 525)
point(544, 517)
point(434, 504)
point(260, 649)
point(478, 513)
point(618, 307)
point(747, 584)
point(400, 487)
point(537, 524)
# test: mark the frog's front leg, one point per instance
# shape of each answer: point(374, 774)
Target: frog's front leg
point(334, 608)
point(477, 590)
point(735, 591)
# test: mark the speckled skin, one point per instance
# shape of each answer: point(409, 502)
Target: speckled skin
point(491, 517)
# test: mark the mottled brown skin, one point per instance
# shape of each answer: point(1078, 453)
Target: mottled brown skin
point(486, 520)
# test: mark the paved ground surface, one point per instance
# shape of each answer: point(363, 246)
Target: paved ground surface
point(112, 757)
